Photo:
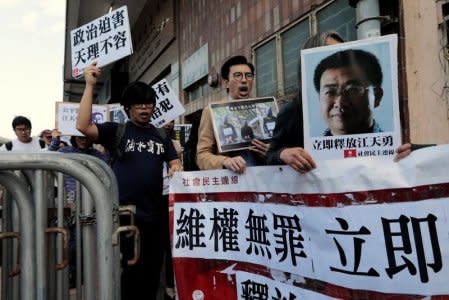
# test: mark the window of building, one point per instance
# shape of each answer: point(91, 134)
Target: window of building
point(277, 57)
point(266, 74)
point(197, 90)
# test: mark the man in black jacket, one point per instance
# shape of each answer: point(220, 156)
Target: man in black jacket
point(288, 141)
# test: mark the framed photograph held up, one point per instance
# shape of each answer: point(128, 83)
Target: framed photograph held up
point(237, 122)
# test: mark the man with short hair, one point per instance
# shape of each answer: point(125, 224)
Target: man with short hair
point(349, 86)
point(45, 135)
point(24, 142)
point(139, 176)
point(237, 75)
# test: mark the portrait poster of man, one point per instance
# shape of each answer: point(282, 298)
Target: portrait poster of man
point(350, 99)
point(237, 122)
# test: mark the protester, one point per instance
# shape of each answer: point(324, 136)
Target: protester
point(81, 145)
point(237, 74)
point(287, 143)
point(349, 84)
point(138, 169)
point(45, 135)
point(24, 142)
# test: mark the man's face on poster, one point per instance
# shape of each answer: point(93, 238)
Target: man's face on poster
point(347, 99)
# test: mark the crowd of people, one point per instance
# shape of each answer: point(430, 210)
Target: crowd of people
point(143, 158)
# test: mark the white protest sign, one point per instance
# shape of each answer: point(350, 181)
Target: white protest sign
point(357, 227)
point(167, 106)
point(66, 114)
point(104, 40)
point(358, 114)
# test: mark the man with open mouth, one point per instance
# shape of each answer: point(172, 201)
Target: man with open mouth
point(237, 75)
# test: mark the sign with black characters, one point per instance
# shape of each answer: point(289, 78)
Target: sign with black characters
point(104, 40)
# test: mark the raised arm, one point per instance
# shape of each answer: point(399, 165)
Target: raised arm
point(84, 121)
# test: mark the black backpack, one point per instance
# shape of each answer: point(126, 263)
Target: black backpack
point(8, 145)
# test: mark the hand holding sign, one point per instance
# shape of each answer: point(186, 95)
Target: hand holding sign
point(91, 74)
point(104, 40)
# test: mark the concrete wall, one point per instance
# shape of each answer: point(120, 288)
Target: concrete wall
point(427, 96)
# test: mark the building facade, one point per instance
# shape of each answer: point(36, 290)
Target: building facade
point(186, 42)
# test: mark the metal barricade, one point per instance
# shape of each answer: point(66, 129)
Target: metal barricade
point(31, 187)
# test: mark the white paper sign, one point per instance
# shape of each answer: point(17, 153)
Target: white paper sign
point(104, 40)
point(350, 99)
point(168, 107)
point(359, 224)
point(66, 114)
point(273, 289)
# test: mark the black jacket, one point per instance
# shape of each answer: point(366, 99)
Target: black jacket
point(288, 132)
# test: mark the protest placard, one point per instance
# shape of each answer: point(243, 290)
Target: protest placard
point(350, 99)
point(237, 122)
point(384, 233)
point(66, 114)
point(168, 107)
point(104, 40)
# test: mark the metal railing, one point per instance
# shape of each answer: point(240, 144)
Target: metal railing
point(29, 180)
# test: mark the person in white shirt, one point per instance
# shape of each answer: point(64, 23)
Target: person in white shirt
point(24, 142)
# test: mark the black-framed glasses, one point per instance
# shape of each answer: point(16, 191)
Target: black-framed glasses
point(143, 105)
point(22, 129)
point(239, 76)
point(349, 91)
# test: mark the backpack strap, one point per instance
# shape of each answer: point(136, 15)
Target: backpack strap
point(8, 146)
point(42, 144)
point(116, 152)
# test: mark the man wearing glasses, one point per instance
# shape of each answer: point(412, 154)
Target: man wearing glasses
point(349, 86)
point(237, 75)
point(139, 175)
point(24, 142)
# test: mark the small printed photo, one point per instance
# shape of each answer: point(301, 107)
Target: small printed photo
point(117, 114)
point(238, 122)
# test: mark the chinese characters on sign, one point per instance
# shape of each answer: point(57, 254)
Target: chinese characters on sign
point(350, 99)
point(281, 238)
point(167, 106)
point(251, 286)
point(385, 230)
point(373, 145)
point(103, 40)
